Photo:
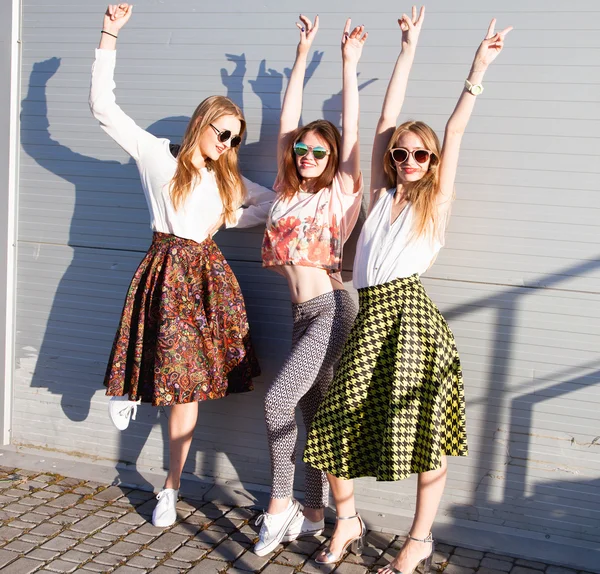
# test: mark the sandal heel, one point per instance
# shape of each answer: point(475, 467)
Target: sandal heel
point(429, 560)
point(358, 546)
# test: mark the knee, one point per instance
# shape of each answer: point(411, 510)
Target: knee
point(276, 410)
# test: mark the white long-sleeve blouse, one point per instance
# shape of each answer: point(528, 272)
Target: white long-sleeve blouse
point(203, 208)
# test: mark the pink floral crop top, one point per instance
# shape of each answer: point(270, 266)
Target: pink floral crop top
point(310, 229)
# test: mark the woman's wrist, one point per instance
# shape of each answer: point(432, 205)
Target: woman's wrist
point(109, 27)
point(409, 48)
point(476, 74)
point(302, 52)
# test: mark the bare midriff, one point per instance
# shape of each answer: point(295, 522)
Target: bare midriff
point(306, 283)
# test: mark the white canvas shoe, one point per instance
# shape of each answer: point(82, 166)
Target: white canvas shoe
point(165, 512)
point(274, 527)
point(302, 527)
point(121, 410)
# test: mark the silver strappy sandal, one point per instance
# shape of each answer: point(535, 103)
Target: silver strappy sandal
point(357, 544)
point(425, 561)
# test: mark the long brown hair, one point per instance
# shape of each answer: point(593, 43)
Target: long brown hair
point(229, 180)
point(422, 194)
point(289, 181)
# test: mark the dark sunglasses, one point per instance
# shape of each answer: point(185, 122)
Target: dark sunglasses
point(301, 149)
point(400, 155)
point(226, 135)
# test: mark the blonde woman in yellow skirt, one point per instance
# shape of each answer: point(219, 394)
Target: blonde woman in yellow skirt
point(396, 404)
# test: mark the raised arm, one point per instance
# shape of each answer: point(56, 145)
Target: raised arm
point(394, 97)
point(113, 120)
point(352, 45)
point(291, 108)
point(455, 128)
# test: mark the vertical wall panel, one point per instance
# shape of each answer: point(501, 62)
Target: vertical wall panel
point(518, 279)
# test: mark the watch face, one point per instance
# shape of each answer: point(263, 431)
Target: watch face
point(476, 89)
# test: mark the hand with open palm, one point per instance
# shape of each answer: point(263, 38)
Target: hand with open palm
point(353, 42)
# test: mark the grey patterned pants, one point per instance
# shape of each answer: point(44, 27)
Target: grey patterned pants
point(321, 326)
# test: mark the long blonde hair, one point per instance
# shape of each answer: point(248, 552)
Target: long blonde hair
point(422, 194)
point(229, 181)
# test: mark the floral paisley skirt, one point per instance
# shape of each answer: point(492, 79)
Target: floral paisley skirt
point(183, 334)
point(396, 403)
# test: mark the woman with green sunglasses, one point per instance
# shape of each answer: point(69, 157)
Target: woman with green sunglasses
point(319, 187)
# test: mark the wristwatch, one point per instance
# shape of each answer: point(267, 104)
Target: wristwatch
point(475, 89)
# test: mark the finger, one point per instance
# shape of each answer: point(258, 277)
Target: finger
point(491, 27)
point(403, 23)
point(347, 27)
point(364, 38)
point(414, 14)
point(316, 26)
point(421, 16)
point(505, 31)
point(306, 22)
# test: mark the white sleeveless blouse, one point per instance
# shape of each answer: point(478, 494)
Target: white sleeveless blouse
point(387, 251)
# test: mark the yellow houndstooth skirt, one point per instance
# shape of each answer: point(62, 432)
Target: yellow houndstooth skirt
point(396, 404)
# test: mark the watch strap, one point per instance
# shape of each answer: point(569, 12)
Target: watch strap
point(474, 89)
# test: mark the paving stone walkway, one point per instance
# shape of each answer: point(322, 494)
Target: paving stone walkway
point(49, 523)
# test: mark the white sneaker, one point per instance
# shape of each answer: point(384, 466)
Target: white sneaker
point(274, 527)
point(165, 512)
point(121, 409)
point(302, 527)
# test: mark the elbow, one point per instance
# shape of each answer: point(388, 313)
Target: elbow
point(385, 119)
point(455, 129)
point(97, 107)
point(94, 107)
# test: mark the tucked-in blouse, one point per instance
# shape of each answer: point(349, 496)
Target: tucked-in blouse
point(310, 229)
point(388, 251)
point(202, 210)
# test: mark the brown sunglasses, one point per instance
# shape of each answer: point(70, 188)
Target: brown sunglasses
point(400, 155)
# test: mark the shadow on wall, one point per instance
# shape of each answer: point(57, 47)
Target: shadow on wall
point(108, 197)
point(542, 504)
